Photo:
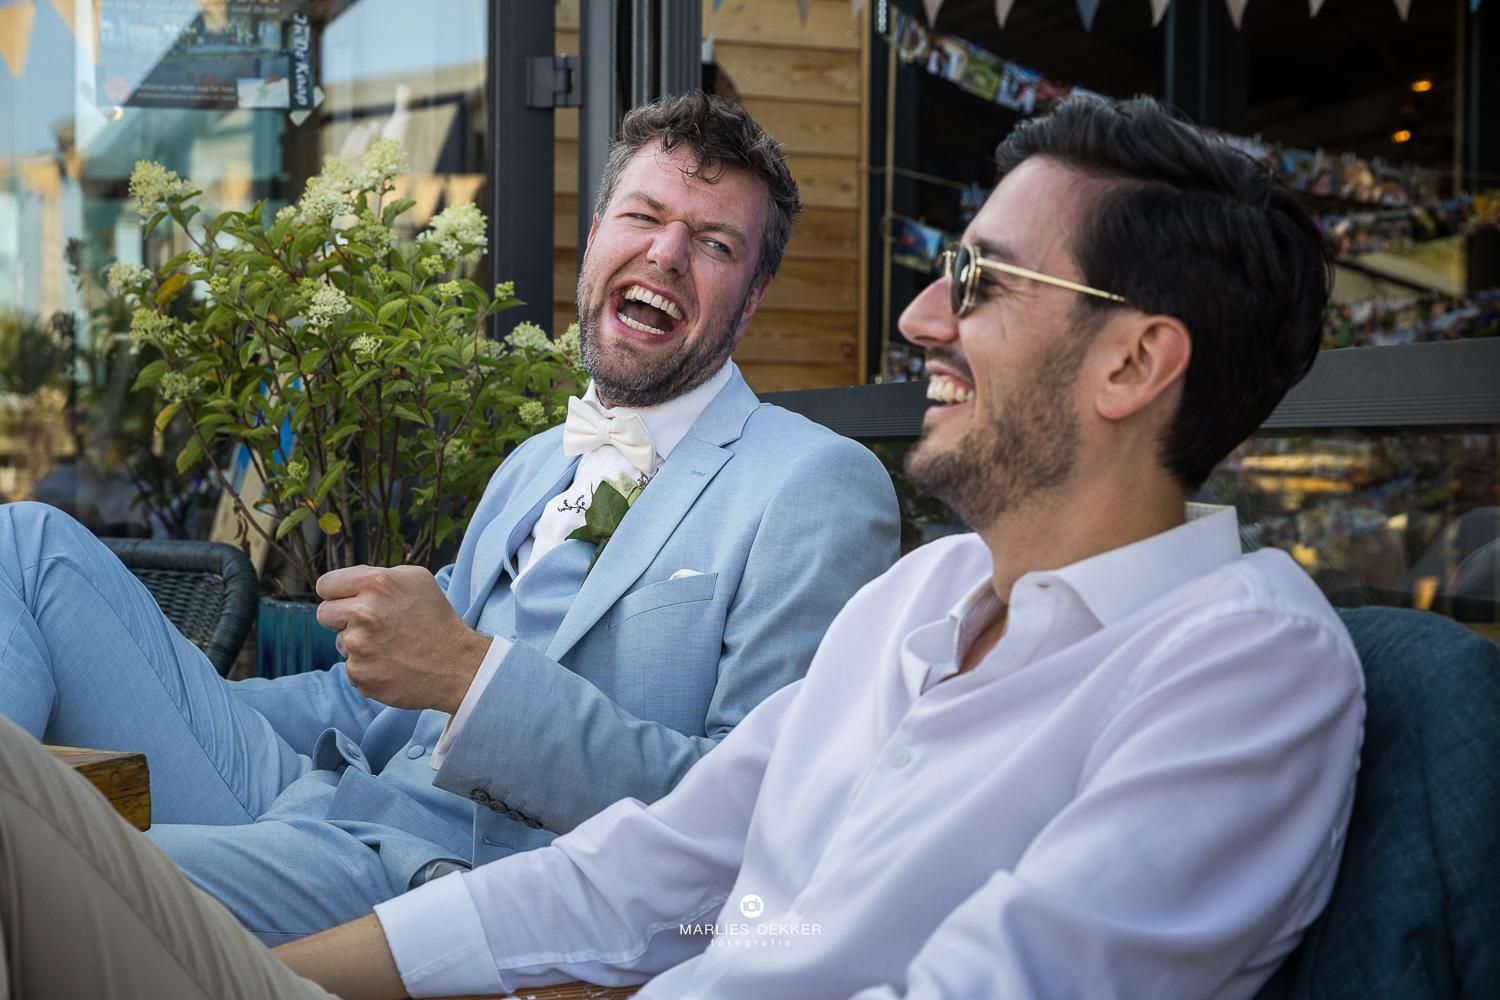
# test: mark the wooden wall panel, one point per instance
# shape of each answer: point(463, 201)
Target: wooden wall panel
point(792, 74)
point(774, 22)
point(807, 87)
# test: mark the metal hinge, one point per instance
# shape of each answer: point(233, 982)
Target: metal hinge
point(554, 82)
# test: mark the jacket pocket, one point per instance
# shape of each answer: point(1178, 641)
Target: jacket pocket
point(683, 590)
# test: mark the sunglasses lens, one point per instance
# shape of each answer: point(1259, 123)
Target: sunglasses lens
point(961, 266)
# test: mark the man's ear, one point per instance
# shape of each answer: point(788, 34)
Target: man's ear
point(1145, 356)
point(752, 303)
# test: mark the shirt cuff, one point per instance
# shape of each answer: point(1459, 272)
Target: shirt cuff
point(487, 667)
point(438, 941)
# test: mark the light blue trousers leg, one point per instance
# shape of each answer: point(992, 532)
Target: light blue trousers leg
point(87, 659)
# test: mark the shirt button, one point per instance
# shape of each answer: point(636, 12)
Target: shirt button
point(898, 756)
point(478, 795)
point(415, 750)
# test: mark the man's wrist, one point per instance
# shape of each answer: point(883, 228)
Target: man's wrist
point(470, 657)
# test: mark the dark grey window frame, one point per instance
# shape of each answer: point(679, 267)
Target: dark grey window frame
point(1454, 384)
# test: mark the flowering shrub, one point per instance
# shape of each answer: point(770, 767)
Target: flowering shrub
point(370, 400)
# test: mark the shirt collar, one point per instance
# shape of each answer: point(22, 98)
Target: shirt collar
point(669, 422)
point(1116, 583)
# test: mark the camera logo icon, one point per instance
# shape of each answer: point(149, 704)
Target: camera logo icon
point(752, 905)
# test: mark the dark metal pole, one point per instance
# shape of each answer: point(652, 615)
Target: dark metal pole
point(600, 111)
point(681, 46)
point(520, 168)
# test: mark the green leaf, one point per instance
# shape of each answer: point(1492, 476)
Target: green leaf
point(329, 478)
point(190, 455)
point(394, 209)
point(291, 520)
point(330, 523)
point(165, 416)
point(168, 289)
point(152, 223)
point(390, 309)
point(174, 263)
point(150, 375)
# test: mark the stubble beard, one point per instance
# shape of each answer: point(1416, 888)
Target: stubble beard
point(1031, 451)
point(628, 380)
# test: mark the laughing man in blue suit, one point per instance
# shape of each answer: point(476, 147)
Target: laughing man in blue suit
point(521, 690)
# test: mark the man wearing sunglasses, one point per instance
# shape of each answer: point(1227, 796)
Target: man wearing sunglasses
point(1088, 750)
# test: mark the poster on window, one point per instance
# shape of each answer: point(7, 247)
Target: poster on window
point(215, 55)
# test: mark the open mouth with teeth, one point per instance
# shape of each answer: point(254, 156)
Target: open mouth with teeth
point(948, 390)
point(649, 312)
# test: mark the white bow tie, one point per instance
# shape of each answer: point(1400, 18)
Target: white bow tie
point(587, 429)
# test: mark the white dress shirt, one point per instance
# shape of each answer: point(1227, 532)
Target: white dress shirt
point(668, 423)
point(1140, 792)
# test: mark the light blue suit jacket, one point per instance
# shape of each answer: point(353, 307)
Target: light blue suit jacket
point(616, 688)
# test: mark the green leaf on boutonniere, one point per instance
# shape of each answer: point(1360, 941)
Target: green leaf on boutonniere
point(608, 507)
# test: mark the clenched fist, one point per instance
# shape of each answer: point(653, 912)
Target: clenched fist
point(403, 643)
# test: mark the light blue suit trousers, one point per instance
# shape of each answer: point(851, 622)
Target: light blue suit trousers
point(300, 804)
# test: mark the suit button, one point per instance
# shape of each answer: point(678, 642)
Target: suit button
point(532, 823)
point(512, 814)
point(478, 795)
point(497, 807)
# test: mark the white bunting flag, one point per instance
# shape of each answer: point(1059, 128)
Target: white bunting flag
point(1403, 7)
point(1159, 11)
point(932, 7)
point(1313, 6)
point(1086, 10)
point(1002, 10)
point(1237, 11)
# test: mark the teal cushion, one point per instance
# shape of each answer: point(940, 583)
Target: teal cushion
point(1415, 914)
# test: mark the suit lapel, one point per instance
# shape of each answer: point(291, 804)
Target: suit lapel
point(502, 536)
point(662, 505)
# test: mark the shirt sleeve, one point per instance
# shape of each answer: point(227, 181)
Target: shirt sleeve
point(602, 903)
point(486, 673)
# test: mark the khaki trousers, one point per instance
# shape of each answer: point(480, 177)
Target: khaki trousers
point(92, 910)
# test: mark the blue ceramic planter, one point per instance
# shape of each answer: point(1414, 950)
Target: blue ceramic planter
point(289, 639)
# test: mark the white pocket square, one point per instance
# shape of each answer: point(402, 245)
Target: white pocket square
point(683, 574)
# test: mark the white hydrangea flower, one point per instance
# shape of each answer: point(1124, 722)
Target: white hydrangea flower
point(289, 212)
point(568, 342)
point(153, 185)
point(148, 324)
point(176, 387)
point(325, 197)
point(529, 335)
point(124, 277)
point(457, 448)
point(449, 290)
point(454, 226)
point(218, 287)
point(297, 470)
point(327, 303)
point(531, 413)
point(381, 164)
point(364, 346)
point(505, 290)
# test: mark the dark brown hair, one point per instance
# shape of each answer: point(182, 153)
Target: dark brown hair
point(1193, 228)
point(716, 133)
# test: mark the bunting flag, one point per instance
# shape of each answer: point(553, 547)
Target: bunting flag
point(1086, 10)
point(1159, 10)
point(932, 7)
point(803, 8)
point(1403, 7)
point(1313, 6)
point(15, 34)
point(1237, 11)
point(1002, 10)
point(855, 6)
point(65, 10)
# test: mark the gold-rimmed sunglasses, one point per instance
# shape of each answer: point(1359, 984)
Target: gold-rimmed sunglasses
point(960, 263)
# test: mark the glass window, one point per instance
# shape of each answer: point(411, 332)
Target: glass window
point(245, 99)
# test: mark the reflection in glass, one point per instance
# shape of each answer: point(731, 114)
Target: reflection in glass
point(245, 99)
